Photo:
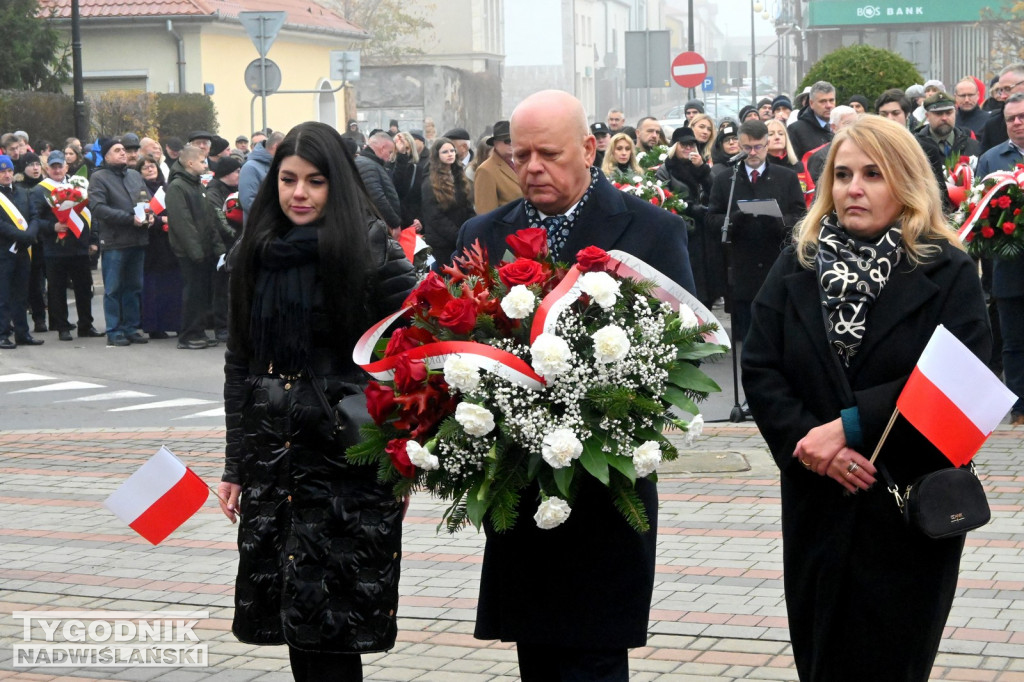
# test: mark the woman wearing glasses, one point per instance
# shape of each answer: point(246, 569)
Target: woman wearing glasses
point(756, 241)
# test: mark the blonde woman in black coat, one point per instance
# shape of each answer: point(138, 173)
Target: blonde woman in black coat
point(837, 329)
point(319, 539)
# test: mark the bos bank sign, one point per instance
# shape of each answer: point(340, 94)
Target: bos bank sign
point(860, 13)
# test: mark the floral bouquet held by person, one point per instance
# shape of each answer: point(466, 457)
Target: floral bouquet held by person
point(990, 219)
point(69, 201)
point(534, 373)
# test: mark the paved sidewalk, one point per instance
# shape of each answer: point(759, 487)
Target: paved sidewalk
point(718, 610)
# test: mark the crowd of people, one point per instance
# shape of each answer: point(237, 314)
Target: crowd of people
point(783, 205)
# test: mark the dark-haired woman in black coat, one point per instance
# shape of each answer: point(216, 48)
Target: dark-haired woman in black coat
point(319, 539)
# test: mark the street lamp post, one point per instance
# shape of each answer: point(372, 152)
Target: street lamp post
point(755, 8)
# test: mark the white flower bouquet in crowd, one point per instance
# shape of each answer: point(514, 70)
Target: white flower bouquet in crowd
point(525, 378)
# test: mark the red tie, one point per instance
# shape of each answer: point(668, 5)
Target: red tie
point(753, 177)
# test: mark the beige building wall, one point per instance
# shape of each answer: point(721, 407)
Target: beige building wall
point(144, 56)
point(304, 64)
point(466, 33)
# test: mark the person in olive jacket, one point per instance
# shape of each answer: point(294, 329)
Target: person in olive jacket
point(320, 539)
point(114, 192)
point(196, 241)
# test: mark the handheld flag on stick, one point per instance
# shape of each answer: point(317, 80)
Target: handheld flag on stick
point(952, 398)
point(157, 203)
point(159, 497)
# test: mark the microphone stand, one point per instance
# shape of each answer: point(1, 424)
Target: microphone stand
point(736, 414)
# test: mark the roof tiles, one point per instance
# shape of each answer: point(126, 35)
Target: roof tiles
point(301, 13)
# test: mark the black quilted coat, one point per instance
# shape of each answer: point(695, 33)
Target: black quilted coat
point(319, 540)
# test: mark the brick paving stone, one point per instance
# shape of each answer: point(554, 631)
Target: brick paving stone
point(718, 611)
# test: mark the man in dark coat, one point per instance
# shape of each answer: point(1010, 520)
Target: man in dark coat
point(114, 193)
point(755, 241)
point(969, 115)
point(16, 237)
point(939, 129)
point(1008, 275)
point(370, 164)
point(1011, 80)
point(578, 629)
point(811, 130)
point(195, 239)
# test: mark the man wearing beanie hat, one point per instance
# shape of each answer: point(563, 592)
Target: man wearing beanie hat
point(749, 113)
point(496, 181)
point(781, 108)
point(764, 108)
point(32, 175)
point(219, 147)
point(194, 234)
point(17, 236)
point(224, 184)
point(692, 108)
point(115, 191)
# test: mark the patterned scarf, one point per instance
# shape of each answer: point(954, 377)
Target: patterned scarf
point(851, 274)
point(559, 226)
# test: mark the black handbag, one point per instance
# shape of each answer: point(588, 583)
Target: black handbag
point(349, 414)
point(943, 504)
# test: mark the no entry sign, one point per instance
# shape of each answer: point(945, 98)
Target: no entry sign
point(689, 69)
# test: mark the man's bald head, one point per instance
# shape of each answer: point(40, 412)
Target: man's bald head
point(553, 150)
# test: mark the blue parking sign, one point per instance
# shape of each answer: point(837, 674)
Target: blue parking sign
point(709, 84)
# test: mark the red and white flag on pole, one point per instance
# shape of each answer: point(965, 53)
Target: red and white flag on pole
point(159, 497)
point(156, 204)
point(953, 399)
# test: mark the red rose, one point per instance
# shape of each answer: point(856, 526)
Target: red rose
point(459, 315)
point(987, 232)
point(1003, 201)
point(380, 402)
point(592, 259)
point(407, 338)
point(531, 242)
point(984, 213)
point(409, 374)
point(1016, 211)
point(522, 271)
point(1008, 227)
point(969, 237)
point(432, 293)
point(400, 458)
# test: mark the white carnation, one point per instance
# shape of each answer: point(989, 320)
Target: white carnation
point(461, 374)
point(611, 344)
point(550, 355)
point(420, 456)
point(687, 316)
point(476, 420)
point(647, 458)
point(519, 302)
point(560, 448)
point(552, 512)
point(601, 287)
point(694, 430)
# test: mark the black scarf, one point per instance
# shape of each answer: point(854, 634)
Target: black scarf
point(851, 274)
point(282, 303)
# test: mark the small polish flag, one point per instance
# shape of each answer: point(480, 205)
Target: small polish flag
point(159, 497)
point(157, 202)
point(953, 399)
point(412, 243)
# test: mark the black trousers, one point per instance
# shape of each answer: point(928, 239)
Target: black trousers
point(196, 297)
point(318, 666)
point(539, 663)
point(58, 272)
point(37, 286)
point(220, 300)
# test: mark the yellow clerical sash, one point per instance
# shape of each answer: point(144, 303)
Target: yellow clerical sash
point(15, 215)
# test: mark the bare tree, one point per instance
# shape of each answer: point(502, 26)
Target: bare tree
point(390, 23)
point(1006, 31)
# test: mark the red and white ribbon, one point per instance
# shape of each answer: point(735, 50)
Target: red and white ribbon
point(627, 265)
point(1003, 179)
point(496, 361)
point(509, 366)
